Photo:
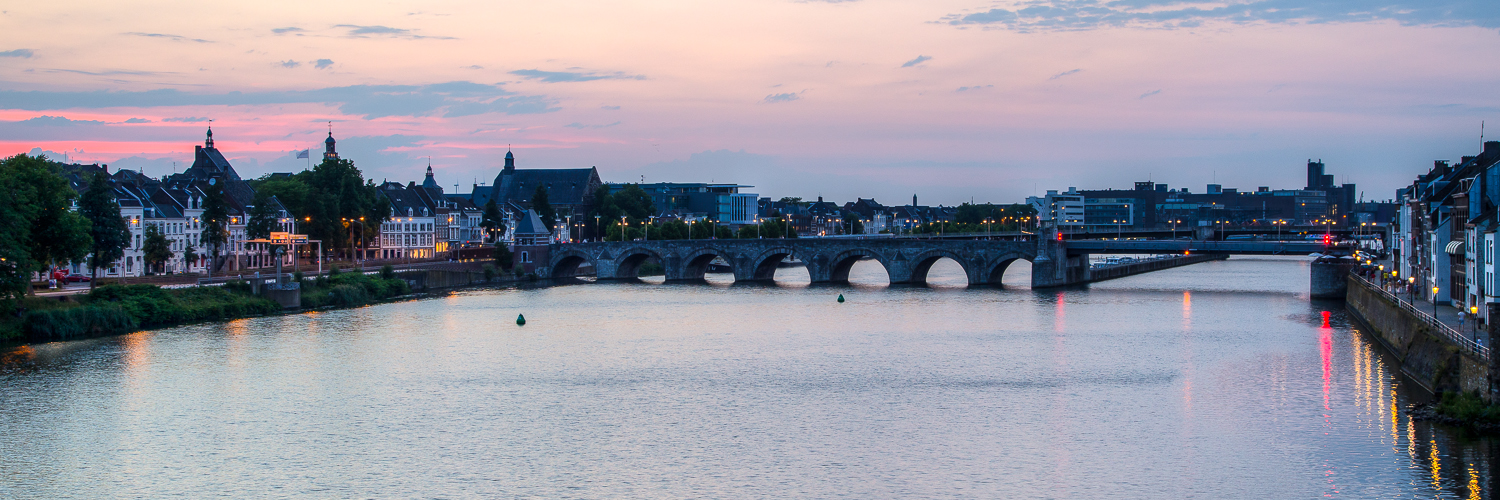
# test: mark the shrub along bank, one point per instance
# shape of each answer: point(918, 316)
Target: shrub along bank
point(119, 309)
point(352, 289)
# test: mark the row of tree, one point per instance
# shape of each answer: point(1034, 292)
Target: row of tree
point(332, 202)
point(42, 231)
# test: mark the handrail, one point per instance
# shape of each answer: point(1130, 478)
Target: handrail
point(1446, 331)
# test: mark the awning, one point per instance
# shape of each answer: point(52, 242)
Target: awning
point(1455, 248)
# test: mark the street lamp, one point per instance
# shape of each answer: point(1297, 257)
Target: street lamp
point(1434, 302)
point(596, 227)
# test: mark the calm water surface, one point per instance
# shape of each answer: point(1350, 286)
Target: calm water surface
point(1209, 381)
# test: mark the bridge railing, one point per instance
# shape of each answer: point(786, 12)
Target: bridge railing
point(1447, 332)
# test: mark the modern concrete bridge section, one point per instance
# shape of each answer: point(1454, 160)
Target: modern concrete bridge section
point(1196, 246)
point(828, 260)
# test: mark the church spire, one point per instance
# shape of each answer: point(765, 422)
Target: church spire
point(210, 141)
point(329, 153)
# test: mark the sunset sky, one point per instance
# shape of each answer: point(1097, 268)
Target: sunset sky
point(946, 99)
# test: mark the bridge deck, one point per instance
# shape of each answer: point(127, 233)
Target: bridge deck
point(1198, 246)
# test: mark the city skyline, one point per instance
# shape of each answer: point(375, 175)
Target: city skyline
point(951, 100)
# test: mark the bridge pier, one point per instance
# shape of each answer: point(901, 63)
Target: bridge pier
point(1056, 266)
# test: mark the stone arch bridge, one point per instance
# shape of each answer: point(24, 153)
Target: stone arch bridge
point(828, 260)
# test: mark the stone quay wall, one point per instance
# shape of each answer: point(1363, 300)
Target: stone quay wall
point(1434, 362)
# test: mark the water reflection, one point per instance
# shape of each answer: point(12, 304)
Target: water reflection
point(719, 391)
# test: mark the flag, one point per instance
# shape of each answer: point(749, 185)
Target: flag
point(303, 153)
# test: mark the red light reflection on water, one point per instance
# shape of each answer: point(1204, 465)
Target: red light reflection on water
point(1325, 347)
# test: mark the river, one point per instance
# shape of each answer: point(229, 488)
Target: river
point(1214, 380)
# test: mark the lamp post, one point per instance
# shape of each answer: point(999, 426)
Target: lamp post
point(1474, 314)
point(622, 228)
point(1434, 302)
point(596, 228)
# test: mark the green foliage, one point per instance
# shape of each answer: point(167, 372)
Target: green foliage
point(116, 309)
point(971, 217)
point(334, 271)
point(503, 256)
point(292, 192)
point(108, 231)
point(189, 254)
point(79, 322)
point(543, 207)
point(297, 276)
point(768, 228)
point(353, 289)
point(262, 217)
point(1470, 409)
point(157, 249)
point(493, 223)
point(387, 272)
point(321, 198)
point(214, 222)
point(852, 224)
point(489, 272)
point(630, 201)
point(12, 326)
point(792, 201)
point(40, 199)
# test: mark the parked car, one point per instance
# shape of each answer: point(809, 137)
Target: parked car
point(78, 278)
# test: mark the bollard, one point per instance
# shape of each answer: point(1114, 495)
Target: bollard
point(841, 298)
point(521, 320)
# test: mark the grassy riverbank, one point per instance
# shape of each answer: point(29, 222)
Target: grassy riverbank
point(118, 309)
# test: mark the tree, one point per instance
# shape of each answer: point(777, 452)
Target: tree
point(15, 260)
point(108, 231)
point(543, 207)
point(853, 224)
point(339, 191)
point(262, 217)
point(189, 256)
point(157, 249)
point(292, 191)
point(503, 256)
point(493, 223)
point(215, 225)
point(634, 202)
point(40, 199)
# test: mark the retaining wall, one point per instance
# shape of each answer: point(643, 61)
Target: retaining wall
point(1435, 363)
point(1121, 271)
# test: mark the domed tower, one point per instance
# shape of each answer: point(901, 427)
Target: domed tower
point(430, 182)
point(328, 152)
point(510, 162)
point(210, 142)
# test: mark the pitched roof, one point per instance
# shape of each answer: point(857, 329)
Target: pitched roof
point(565, 186)
point(530, 224)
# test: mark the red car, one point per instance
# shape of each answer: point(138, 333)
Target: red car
point(78, 278)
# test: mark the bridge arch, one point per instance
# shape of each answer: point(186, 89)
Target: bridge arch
point(763, 265)
point(994, 272)
point(628, 262)
point(842, 262)
point(923, 262)
point(565, 264)
point(694, 263)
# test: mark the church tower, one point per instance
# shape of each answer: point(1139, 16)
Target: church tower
point(210, 142)
point(328, 152)
point(510, 162)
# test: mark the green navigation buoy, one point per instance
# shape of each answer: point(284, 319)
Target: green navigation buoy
point(841, 298)
point(521, 320)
